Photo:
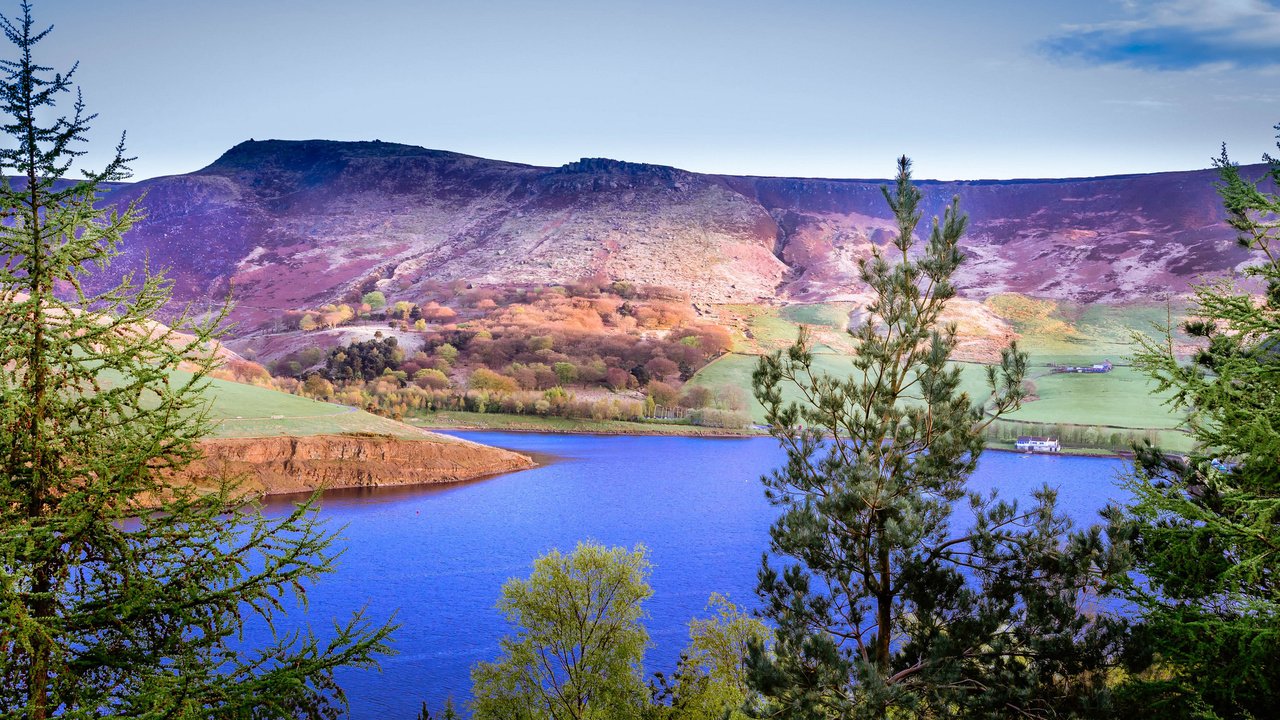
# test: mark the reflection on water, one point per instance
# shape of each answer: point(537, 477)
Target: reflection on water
point(435, 557)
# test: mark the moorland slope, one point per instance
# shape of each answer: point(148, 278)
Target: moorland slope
point(296, 224)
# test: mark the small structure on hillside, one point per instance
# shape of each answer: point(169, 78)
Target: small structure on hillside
point(1102, 367)
point(1032, 443)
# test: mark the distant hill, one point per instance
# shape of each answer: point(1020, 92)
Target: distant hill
point(296, 224)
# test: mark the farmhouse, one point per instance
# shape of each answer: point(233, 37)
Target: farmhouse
point(1030, 443)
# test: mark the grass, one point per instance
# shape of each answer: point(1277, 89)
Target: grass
point(735, 370)
point(1055, 332)
point(1121, 398)
point(1052, 333)
point(833, 315)
point(452, 419)
point(239, 410)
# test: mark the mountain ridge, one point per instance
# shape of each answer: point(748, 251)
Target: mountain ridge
point(286, 225)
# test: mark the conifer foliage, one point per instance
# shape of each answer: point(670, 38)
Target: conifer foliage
point(1206, 527)
point(121, 595)
point(886, 606)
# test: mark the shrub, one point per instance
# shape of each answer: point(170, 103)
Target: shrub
point(431, 379)
point(375, 300)
point(696, 396)
point(486, 379)
point(710, 417)
point(662, 393)
point(618, 379)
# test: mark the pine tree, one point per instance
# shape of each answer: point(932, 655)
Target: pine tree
point(121, 592)
point(887, 607)
point(1206, 527)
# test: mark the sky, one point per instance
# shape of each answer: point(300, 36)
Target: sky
point(813, 88)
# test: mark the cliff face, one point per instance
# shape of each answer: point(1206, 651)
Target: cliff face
point(278, 465)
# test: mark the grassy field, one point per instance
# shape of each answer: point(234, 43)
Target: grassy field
point(1120, 398)
point(240, 410)
point(1051, 333)
point(735, 369)
point(832, 315)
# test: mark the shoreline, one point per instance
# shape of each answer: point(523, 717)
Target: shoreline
point(673, 430)
point(498, 422)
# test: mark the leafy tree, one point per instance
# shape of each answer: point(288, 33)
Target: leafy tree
point(108, 608)
point(486, 379)
point(431, 378)
point(1205, 527)
point(317, 387)
point(662, 393)
point(710, 682)
point(447, 352)
point(565, 372)
point(402, 309)
point(376, 300)
point(578, 642)
point(888, 607)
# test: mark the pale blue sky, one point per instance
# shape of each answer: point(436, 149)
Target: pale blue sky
point(1000, 89)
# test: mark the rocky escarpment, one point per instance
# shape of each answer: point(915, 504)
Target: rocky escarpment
point(288, 225)
point(279, 465)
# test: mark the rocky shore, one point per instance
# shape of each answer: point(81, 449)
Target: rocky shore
point(280, 465)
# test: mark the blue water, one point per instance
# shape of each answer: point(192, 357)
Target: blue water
point(436, 557)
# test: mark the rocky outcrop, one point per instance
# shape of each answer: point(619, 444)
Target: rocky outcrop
point(279, 465)
point(296, 225)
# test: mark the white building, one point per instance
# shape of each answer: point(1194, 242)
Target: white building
point(1029, 443)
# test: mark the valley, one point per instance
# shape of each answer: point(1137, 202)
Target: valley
point(605, 291)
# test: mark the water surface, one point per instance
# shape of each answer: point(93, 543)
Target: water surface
point(436, 557)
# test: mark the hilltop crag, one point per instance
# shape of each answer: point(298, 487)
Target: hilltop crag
point(287, 225)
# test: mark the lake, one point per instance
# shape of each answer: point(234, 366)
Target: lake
point(435, 557)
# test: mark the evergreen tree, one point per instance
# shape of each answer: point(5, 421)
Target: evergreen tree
point(121, 592)
point(889, 608)
point(1206, 527)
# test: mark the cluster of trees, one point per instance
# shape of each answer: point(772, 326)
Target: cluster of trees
point(536, 367)
point(526, 350)
point(364, 360)
point(373, 306)
point(563, 341)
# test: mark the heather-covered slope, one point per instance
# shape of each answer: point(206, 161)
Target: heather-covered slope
point(291, 225)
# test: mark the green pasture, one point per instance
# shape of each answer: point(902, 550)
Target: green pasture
point(1122, 400)
point(832, 315)
point(239, 410)
point(735, 370)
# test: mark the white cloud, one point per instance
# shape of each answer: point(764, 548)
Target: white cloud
point(1179, 35)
